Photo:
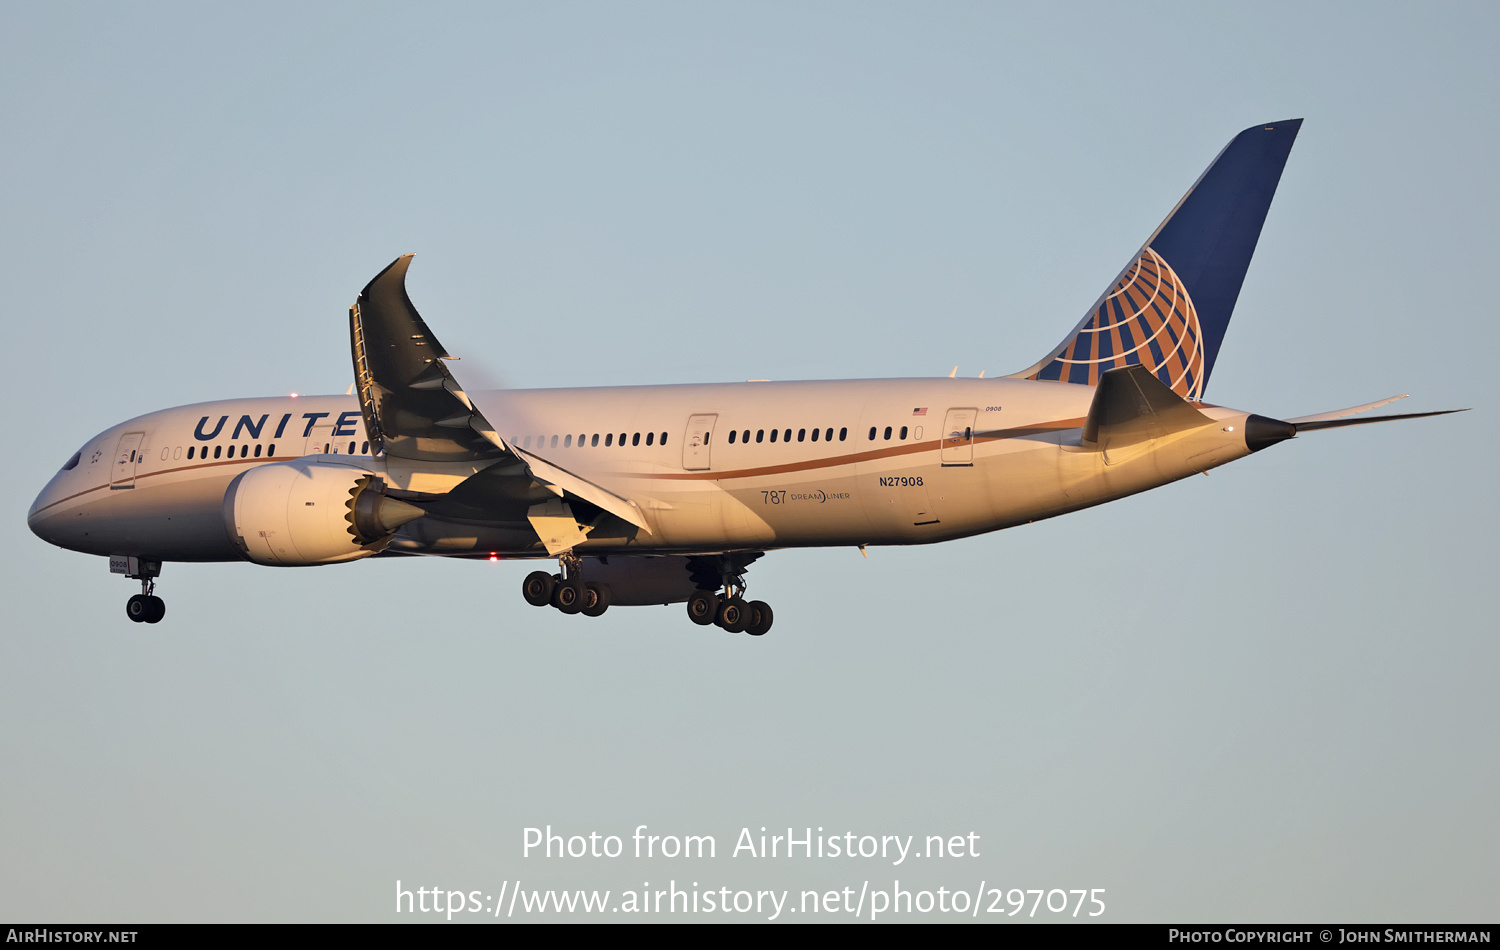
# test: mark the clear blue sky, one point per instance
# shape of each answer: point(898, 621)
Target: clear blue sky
point(1264, 695)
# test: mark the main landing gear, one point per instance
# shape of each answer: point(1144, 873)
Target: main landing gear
point(566, 590)
point(144, 607)
point(729, 610)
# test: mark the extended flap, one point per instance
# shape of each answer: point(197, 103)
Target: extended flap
point(556, 526)
point(561, 481)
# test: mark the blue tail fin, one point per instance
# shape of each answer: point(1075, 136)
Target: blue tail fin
point(1169, 308)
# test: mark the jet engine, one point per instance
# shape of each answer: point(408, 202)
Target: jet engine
point(302, 512)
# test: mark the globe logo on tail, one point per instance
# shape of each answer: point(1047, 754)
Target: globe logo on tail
point(1147, 317)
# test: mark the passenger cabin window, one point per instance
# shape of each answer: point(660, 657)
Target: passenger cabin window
point(731, 436)
point(872, 433)
point(594, 441)
point(774, 433)
point(903, 433)
point(190, 451)
point(842, 434)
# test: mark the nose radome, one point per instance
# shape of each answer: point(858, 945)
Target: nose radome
point(37, 519)
point(45, 517)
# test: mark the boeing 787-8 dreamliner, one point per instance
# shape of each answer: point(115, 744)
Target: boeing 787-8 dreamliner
point(666, 494)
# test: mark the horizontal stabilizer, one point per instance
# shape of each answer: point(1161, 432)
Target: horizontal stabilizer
point(1341, 413)
point(1309, 425)
point(1262, 431)
point(1131, 406)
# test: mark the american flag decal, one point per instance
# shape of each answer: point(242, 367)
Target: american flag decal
point(919, 412)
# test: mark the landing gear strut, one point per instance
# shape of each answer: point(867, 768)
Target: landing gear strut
point(729, 610)
point(144, 607)
point(566, 589)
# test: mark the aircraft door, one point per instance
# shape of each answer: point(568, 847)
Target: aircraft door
point(695, 446)
point(958, 437)
point(127, 457)
point(320, 441)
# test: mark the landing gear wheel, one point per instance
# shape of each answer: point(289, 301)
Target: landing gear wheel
point(703, 607)
point(567, 597)
point(138, 608)
point(760, 618)
point(596, 599)
point(537, 588)
point(156, 608)
point(734, 615)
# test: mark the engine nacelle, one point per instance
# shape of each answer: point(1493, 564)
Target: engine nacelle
point(312, 510)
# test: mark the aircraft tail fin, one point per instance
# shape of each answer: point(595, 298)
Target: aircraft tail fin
point(1169, 308)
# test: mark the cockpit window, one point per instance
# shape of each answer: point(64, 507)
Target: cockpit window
point(72, 463)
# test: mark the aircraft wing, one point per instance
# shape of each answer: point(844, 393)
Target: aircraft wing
point(562, 483)
point(414, 409)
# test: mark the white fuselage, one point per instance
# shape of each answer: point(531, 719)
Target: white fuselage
point(808, 464)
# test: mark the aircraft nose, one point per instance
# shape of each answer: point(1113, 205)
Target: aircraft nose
point(40, 519)
point(47, 518)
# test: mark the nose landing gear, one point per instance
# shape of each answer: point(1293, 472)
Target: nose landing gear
point(144, 607)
